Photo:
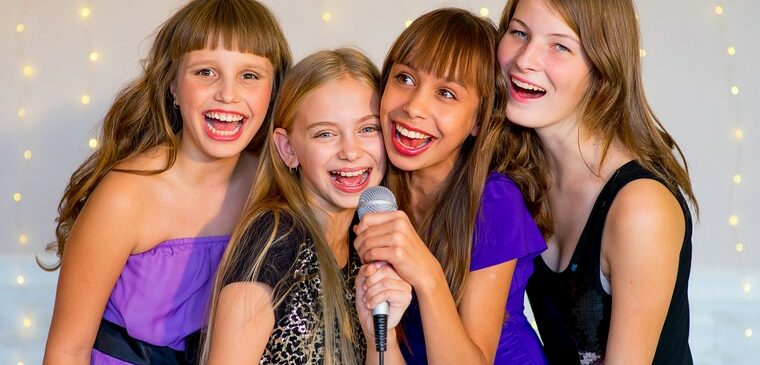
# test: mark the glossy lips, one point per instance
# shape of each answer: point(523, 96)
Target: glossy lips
point(408, 141)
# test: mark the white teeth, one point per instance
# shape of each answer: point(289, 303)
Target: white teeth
point(222, 133)
point(411, 134)
point(350, 173)
point(224, 117)
point(526, 85)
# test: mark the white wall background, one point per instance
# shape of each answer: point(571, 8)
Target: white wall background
point(688, 77)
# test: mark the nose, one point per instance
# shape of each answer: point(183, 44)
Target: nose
point(529, 57)
point(416, 106)
point(227, 91)
point(350, 148)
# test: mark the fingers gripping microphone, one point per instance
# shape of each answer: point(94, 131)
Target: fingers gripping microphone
point(378, 199)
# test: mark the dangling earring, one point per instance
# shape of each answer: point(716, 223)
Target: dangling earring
point(294, 170)
point(176, 106)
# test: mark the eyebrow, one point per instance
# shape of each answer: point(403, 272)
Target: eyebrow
point(445, 78)
point(560, 35)
point(333, 124)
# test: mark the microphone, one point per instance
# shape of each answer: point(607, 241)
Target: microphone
point(378, 199)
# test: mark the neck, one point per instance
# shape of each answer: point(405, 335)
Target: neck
point(202, 172)
point(424, 188)
point(335, 226)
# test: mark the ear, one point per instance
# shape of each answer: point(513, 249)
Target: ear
point(284, 148)
point(173, 88)
point(475, 129)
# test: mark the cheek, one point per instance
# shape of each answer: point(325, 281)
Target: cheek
point(505, 53)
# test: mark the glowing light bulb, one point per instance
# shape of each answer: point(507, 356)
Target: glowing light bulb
point(21, 112)
point(407, 23)
point(93, 143)
point(326, 16)
point(27, 322)
point(94, 56)
point(739, 134)
point(718, 10)
point(85, 12)
point(20, 363)
point(85, 99)
point(731, 51)
point(20, 27)
point(734, 90)
point(748, 332)
point(28, 71)
point(642, 53)
point(17, 197)
point(739, 247)
point(23, 239)
point(20, 280)
point(737, 179)
point(484, 12)
point(747, 287)
point(27, 155)
point(733, 221)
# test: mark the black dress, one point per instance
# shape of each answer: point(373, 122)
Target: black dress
point(572, 309)
point(291, 268)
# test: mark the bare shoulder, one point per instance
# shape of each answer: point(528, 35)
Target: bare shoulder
point(646, 212)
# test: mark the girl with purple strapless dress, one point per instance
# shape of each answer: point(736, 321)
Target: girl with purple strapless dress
point(144, 222)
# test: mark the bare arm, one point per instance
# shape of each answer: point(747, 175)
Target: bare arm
point(642, 243)
point(101, 240)
point(243, 322)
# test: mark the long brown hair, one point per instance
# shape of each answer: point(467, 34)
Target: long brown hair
point(279, 192)
point(454, 43)
point(142, 117)
point(614, 106)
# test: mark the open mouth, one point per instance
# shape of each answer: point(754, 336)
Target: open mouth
point(224, 126)
point(526, 90)
point(351, 180)
point(408, 141)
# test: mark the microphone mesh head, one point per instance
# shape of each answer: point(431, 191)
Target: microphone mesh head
point(376, 199)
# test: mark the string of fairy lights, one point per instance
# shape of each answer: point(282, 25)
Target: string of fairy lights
point(27, 114)
point(737, 180)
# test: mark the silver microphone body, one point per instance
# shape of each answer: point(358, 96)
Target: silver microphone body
point(377, 199)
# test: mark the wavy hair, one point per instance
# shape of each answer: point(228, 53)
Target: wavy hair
point(142, 117)
point(614, 106)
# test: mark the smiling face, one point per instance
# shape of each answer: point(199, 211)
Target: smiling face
point(426, 119)
point(545, 65)
point(336, 144)
point(223, 97)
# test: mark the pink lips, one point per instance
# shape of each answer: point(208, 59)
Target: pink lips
point(404, 149)
point(239, 126)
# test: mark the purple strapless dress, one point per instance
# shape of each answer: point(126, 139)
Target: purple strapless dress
point(162, 294)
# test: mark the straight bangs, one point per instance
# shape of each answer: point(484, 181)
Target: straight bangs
point(448, 43)
point(236, 25)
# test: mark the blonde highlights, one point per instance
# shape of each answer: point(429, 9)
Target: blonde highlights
point(279, 191)
point(614, 106)
point(456, 44)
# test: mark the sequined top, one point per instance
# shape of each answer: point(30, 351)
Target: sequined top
point(572, 309)
point(292, 269)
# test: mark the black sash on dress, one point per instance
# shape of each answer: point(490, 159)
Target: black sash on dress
point(113, 340)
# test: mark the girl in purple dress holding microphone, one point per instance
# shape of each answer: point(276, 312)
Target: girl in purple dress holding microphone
point(464, 237)
point(145, 220)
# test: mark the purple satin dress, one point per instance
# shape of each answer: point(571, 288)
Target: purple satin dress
point(505, 231)
point(162, 294)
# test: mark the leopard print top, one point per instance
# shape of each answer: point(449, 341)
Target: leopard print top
point(292, 269)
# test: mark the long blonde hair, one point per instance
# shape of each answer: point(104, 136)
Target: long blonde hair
point(454, 43)
point(614, 106)
point(142, 117)
point(279, 192)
